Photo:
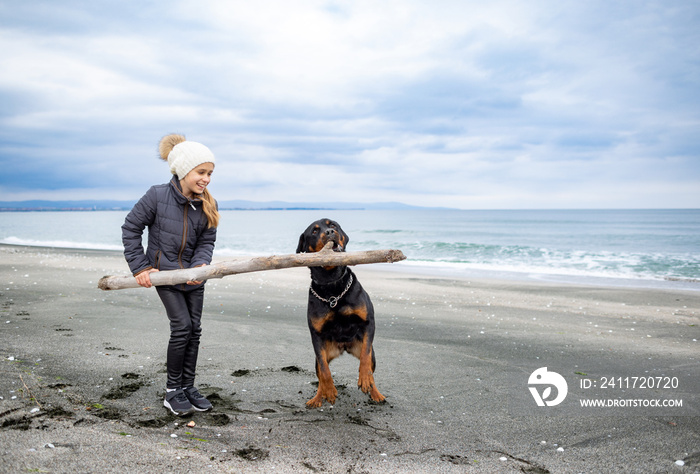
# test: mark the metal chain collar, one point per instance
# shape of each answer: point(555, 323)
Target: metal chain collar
point(333, 300)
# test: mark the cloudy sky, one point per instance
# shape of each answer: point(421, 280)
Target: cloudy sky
point(468, 104)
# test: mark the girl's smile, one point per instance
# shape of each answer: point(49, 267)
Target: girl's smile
point(196, 181)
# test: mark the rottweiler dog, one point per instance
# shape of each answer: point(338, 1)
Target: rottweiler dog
point(340, 315)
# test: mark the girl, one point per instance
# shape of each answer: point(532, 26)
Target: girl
point(182, 218)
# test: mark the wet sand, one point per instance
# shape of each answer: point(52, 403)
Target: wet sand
point(82, 375)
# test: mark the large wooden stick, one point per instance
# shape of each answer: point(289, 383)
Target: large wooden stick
point(325, 258)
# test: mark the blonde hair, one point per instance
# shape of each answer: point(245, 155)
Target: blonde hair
point(209, 208)
point(165, 146)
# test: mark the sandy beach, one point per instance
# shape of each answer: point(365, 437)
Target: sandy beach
point(82, 375)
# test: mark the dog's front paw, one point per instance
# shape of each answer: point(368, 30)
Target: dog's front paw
point(328, 393)
point(366, 384)
point(376, 396)
point(315, 402)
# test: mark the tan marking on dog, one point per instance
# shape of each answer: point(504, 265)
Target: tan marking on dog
point(365, 380)
point(326, 387)
point(318, 323)
point(359, 311)
point(334, 350)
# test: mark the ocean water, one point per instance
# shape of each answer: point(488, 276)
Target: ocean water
point(625, 247)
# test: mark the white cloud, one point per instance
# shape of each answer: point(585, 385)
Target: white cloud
point(470, 104)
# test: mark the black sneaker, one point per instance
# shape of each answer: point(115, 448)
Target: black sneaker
point(178, 403)
point(198, 401)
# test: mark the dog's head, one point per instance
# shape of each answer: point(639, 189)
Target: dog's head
point(319, 233)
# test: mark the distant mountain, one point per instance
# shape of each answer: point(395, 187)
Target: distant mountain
point(86, 205)
point(283, 205)
point(90, 205)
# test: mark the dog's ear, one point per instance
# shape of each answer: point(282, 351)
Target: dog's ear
point(301, 247)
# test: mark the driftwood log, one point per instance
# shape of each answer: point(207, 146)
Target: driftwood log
point(325, 258)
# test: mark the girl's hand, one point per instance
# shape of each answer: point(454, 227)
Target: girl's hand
point(196, 282)
point(144, 279)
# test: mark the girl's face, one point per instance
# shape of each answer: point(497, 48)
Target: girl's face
point(197, 179)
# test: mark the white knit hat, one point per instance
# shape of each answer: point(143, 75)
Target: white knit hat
point(186, 156)
point(183, 156)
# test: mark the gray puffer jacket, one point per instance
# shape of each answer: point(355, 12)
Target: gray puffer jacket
point(178, 236)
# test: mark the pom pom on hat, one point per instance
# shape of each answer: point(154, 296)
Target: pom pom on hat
point(182, 155)
point(167, 143)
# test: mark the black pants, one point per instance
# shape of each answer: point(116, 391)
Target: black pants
point(184, 310)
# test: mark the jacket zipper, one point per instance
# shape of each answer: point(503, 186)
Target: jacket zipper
point(184, 239)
